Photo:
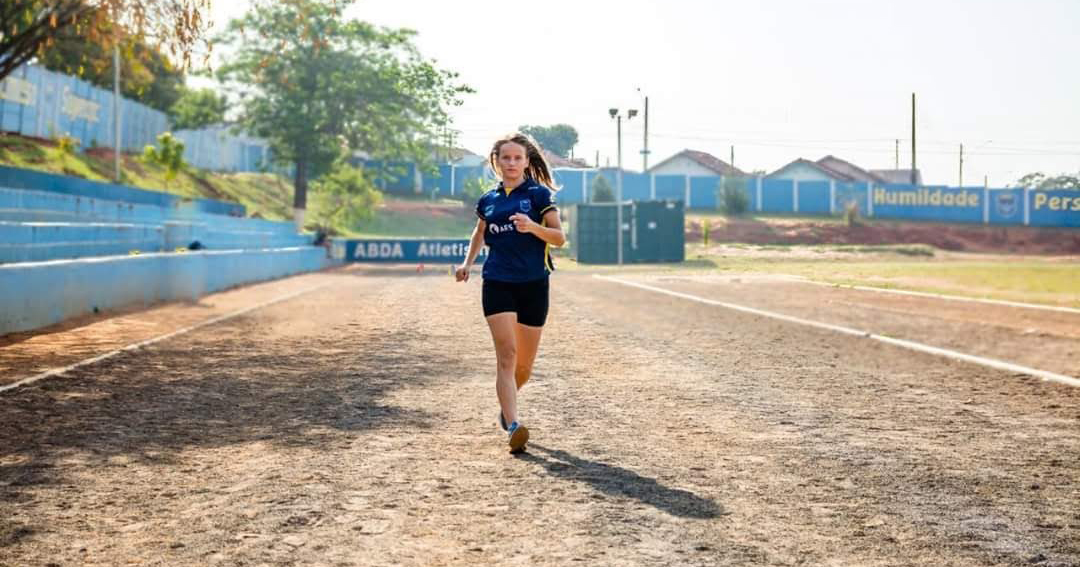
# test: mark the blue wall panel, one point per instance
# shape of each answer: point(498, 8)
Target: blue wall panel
point(926, 203)
point(45, 293)
point(571, 183)
point(776, 196)
point(1054, 208)
point(814, 197)
point(672, 187)
point(703, 191)
point(635, 187)
point(1006, 206)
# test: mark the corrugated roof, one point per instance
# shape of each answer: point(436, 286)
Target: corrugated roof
point(555, 160)
point(828, 171)
point(898, 176)
point(707, 161)
point(851, 170)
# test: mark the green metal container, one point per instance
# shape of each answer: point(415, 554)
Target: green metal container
point(652, 232)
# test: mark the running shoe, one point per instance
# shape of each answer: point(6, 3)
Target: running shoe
point(518, 437)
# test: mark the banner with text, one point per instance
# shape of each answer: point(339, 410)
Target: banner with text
point(404, 250)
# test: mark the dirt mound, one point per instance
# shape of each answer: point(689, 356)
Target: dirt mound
point(969, 238)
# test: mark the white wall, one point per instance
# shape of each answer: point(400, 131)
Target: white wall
point(800, 172)
point(682, 166)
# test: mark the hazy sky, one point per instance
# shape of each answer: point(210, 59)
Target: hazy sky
point(778, 79)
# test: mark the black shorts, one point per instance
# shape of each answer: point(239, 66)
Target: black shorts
point(528, 299)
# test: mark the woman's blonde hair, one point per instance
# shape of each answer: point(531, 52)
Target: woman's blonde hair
point(538, 166)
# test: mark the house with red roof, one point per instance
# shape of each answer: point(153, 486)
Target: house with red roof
point(693, 162)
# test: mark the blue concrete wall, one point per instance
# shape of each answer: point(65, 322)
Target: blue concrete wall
point(1054, 208)
point(671, 187)
point(1006, 206)
point(46, 113)
point(929, 203)
point(776, 196)
point(814, 197)
point(39, 294)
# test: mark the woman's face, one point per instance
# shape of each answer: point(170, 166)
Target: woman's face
point(512, 161)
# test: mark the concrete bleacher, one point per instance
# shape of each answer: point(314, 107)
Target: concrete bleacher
point(69, 247)
point(43, 225)
point(40, 241)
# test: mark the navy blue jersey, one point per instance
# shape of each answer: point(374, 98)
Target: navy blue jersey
point(515, 256)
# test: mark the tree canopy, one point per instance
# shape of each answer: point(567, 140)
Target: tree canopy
point(176, 28)
point(146, 75)
point(558, 139)
point(198, 108)
point(1038, 180)
point(314, 85)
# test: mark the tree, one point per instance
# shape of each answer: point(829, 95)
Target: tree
point(1038, 180)
point(29, 27)
point(313, 84)
point(146, 75)
point(558, 139)
point(198, 108)
point(601, 190)
point(343, 198)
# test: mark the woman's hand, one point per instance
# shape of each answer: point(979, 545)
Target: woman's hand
point(462, 273)
point(522, 223)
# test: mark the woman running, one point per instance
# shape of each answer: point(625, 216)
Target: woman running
point(519, 222)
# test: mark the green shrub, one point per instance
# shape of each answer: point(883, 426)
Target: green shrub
point(343, 198)
point(602, 191)
point(732, 196)
point(169, 154)
point(472, 190)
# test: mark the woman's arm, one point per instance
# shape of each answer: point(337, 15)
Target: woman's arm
point(551, 231)
point(477, 240)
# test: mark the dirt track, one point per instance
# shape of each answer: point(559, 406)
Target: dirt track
point(355, 426)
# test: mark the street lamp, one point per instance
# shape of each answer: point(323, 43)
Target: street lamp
point(645, 148)
point(630, 113)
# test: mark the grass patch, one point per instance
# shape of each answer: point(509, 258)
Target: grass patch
point(398, 224)
point(267, 195)
point(1035, 281)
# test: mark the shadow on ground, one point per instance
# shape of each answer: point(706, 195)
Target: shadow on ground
point(200, 390)
point(620, 482)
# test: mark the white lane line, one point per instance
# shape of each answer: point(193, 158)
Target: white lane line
point(990, 362)
point(950, 297)
point(99, 358)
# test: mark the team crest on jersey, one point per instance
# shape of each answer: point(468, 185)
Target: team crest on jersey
point(489, 210)
point(526, 205)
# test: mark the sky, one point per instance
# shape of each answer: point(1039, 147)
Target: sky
point(776, 79)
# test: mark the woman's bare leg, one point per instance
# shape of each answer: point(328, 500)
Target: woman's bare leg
point(528, 342)
point(505, 339)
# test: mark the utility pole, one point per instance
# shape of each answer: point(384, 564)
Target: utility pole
point(596, 162)
point(618, 189)
point(961, 166)
point(614, 112)
point(645, 148)
point(116, 108)
point(645, 151)
point(897, 154)
point(732, 163)
point(913, 168)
